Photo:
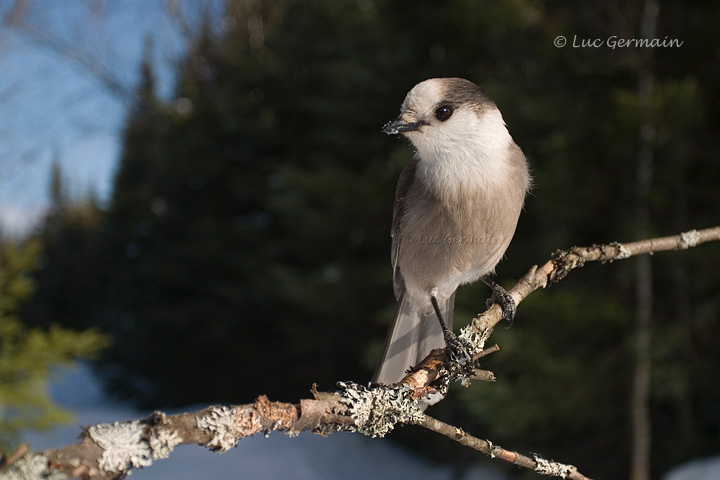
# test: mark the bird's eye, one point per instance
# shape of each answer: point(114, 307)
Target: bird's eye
point(444, 112)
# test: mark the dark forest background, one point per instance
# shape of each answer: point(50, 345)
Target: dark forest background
point(245, 249)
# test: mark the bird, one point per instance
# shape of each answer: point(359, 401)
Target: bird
point(457, 205)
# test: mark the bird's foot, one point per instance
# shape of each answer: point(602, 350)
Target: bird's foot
point(501, 297)
point(459, 348)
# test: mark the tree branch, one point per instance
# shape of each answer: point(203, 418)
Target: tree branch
point(563, 262)
point(538, 464)
point(108, 452)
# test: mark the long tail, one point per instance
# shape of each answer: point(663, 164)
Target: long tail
point(413, 334)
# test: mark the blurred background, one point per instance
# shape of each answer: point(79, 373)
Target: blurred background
point(197, 197)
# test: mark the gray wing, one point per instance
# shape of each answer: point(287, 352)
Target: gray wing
point(405, 182)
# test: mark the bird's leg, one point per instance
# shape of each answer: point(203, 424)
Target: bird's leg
point(501, 297)
point(458, 347)
point(449, 336)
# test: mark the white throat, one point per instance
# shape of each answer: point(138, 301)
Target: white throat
point(468, 152)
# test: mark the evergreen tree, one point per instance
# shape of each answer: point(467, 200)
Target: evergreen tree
point(66, 278)
point(28, 354)
point(228, 240)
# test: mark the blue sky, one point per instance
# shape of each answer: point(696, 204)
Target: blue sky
point(52, 106)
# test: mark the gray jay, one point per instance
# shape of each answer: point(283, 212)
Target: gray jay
point(456, 208)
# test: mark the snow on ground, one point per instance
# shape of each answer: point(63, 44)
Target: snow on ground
point(701, 469)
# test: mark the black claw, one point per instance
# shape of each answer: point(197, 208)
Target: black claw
point(501, 297)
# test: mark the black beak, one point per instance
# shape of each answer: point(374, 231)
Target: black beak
point(401, 126)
